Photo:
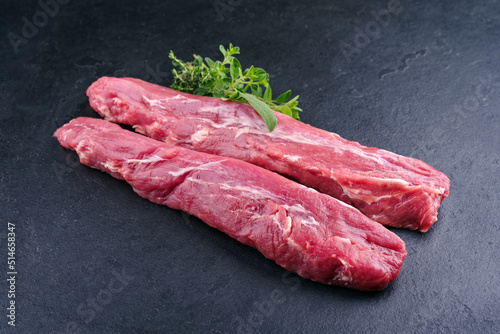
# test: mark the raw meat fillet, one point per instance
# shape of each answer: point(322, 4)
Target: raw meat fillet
point(307, 232)
point(394, 190)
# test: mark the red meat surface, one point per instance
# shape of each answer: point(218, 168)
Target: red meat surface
point(302, 230)
point(392, 189)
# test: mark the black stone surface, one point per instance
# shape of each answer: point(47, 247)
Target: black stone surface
point(93, 257)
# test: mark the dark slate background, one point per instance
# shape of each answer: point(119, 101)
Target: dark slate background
point(93, 257)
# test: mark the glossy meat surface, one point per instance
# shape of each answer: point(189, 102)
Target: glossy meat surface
point(304, 231)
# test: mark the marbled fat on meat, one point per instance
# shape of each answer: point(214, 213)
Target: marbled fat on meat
point(394, 190)
point(304, 231)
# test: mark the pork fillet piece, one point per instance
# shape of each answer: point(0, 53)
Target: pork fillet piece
point(392, 189)
point(302, 230)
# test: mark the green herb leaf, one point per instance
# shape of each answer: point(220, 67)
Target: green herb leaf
point(227, 80)
point(257, 91)
point(263, 109)
point(267, 94)
point(222, 50)
point(209, 62)
point(235, 68)
point(283, 97)
point(219, 83)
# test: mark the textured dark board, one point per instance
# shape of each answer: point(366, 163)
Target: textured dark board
point(427, 85)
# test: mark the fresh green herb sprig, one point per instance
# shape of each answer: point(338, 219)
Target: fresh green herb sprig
point(227, 80)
